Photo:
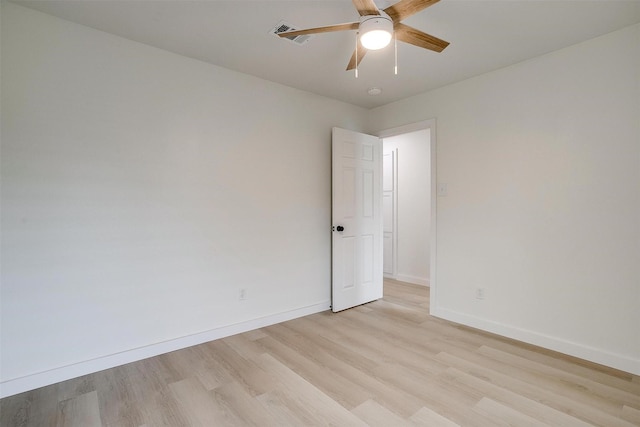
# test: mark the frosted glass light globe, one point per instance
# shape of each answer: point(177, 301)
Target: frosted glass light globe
point(375, 31)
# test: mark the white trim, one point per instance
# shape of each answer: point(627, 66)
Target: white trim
point(412, 279)
point(411, 127)
point(581, 351)
point(433, 230)
point(394, 212)
point(41, 379)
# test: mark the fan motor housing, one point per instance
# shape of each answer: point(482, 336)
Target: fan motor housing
point(376, 22)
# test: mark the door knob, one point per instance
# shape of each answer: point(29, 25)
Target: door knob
point(340, 228)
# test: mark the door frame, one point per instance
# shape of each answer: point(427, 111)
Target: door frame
point(430, 125)
point(394, 243)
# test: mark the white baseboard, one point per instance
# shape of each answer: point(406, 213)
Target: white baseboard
point(41, 379)
point(592, 354)
point(412, 279)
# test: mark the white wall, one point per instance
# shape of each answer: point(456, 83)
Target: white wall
point(414, 204)
point(140, 191)
point(542, 162)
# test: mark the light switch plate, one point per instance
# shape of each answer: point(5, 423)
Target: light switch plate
point(442, 189)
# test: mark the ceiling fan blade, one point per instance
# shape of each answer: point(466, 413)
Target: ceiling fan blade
point(415, 37)
point(361, 52)
point(327, 29)
point(405, 8)
point(366, 7)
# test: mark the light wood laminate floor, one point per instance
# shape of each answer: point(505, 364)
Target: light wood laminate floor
point(387, 363)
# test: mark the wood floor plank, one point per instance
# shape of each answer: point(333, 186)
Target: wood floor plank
point(376, 415)
point(246, 408)
point(256, 334)
point(384, 363)
point(552, 385)
point(428, 418)
point(325, 410)
point(345, 392)
point(535, 391)
point(502, 414)
point(385, 345)
point(118, 404)
point(317, 339)
point(75, 387)
point(198, 362)
point(244, 346)
point(257, 381)
point(200, 407)
point(80, 411)
point(631, 414)
point(159, 408)
point(388, 394)
point(438, 395)
point(525, 405)
point(15, 410)
point(408, 334)
point(32, 409)
point(566, 379)
point(151, 393)
point(604, 375)
point(285, 410)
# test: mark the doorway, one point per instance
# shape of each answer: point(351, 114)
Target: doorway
point(357, 181)
point(408, 203)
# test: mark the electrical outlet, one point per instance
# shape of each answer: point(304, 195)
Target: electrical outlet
point(479, 293)
point(242, 295)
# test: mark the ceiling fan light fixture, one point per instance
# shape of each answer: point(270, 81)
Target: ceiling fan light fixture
point(375, 31)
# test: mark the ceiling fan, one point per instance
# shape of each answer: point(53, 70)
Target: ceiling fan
point(376, 28)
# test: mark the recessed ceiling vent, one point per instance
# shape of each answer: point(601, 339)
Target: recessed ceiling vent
point(285, 26)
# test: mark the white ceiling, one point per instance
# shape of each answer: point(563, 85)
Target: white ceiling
point(484, 34)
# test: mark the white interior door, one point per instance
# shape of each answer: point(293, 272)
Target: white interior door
point(357, 219)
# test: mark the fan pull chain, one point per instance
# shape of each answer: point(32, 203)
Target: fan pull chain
point(395, 48)
point(357, 32)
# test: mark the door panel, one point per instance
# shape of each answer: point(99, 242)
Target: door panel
point(367, 259)
point(348, 193)
point(357, 206)
point(349, 264)
point(367, 194)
